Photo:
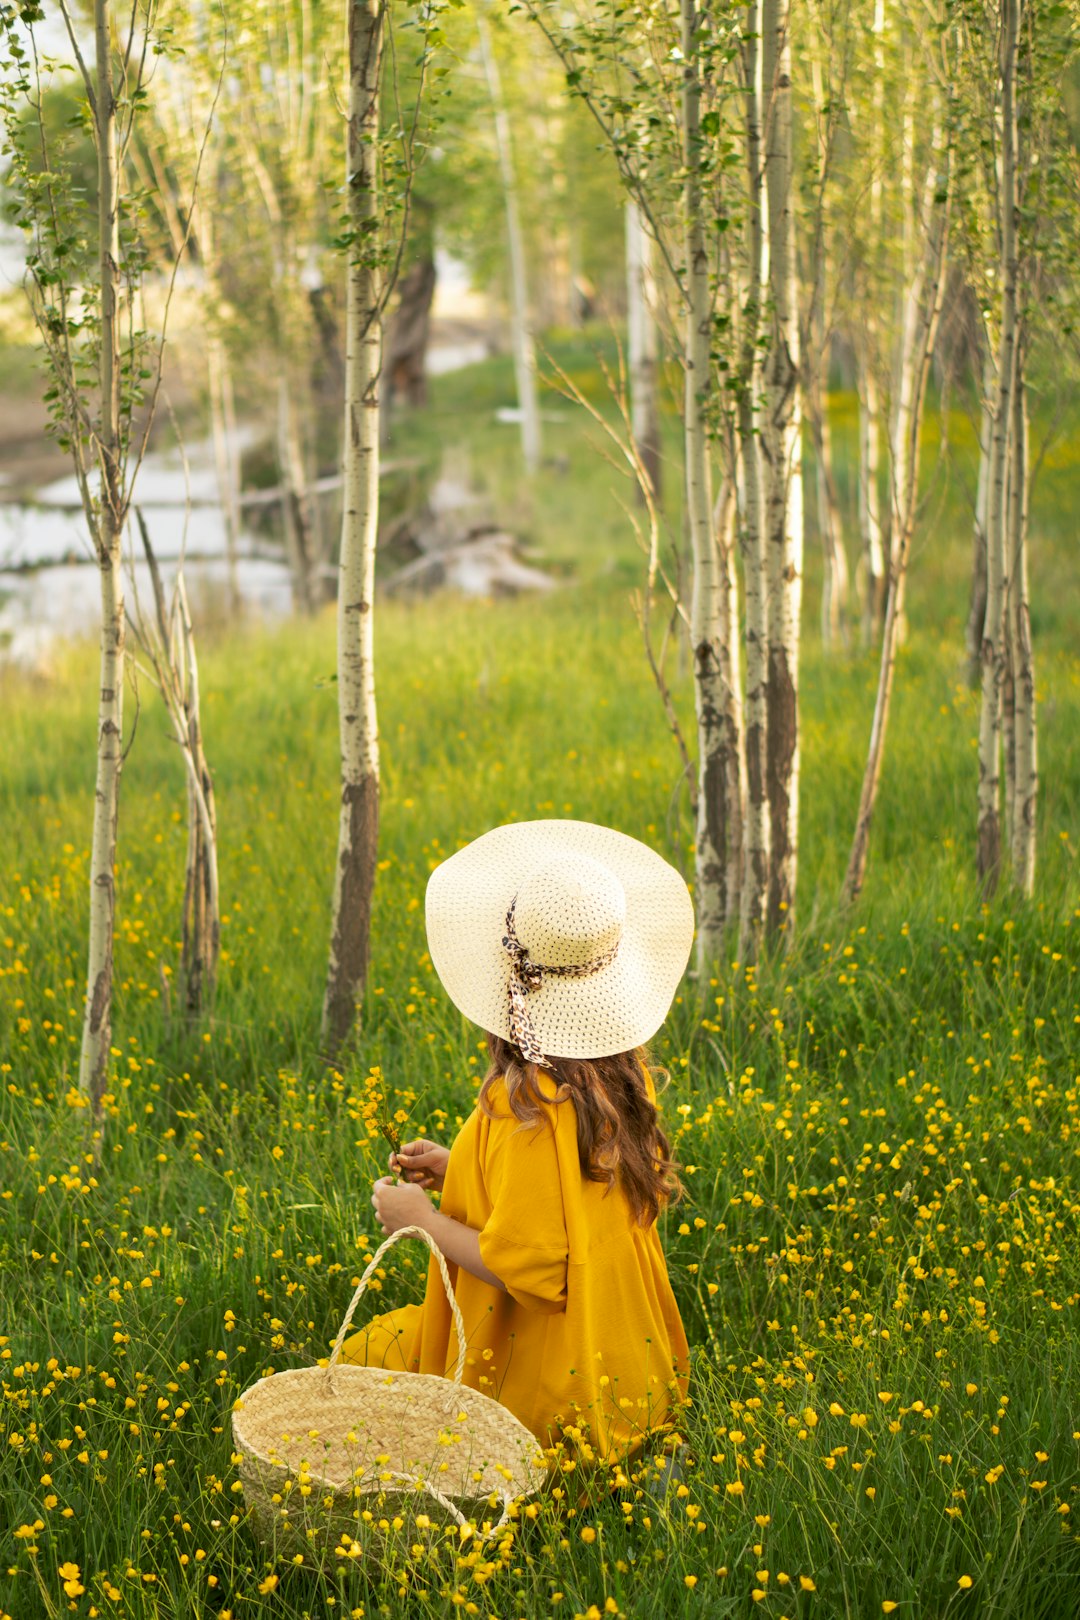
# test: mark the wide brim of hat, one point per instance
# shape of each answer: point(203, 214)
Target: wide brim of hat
point(613, 1010)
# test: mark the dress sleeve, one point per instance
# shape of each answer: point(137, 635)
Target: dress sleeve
point(524, 1239)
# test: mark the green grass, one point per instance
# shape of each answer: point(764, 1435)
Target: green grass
point(880, 1132)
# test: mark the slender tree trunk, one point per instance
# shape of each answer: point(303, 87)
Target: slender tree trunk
point(201, 930)
point(725, 520)
point(906, 360)
point(783, 476)
point(405, 378)
point(755, 865)
point(171, 652)
point(520, 322)
point(977, 610)
point(905, 500)
point(642, 343)
point(1026, 782)
point(867, 341)
point(834, 594)
point(873, 551)
point(707, 607)
point(295, 497)
point(217, 365)
point(108, 525)
point(354, 874)
point(993, 652)
point(1008, 685)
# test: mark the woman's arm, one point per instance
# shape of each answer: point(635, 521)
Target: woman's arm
point(399, 1204)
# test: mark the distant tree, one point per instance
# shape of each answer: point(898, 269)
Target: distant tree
point(354, 872)
point(642, 334)
point(521, 333)
point(381, 156)
point(83, 270)
point(923, 300)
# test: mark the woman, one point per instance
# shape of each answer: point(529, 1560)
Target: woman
point(565, 941)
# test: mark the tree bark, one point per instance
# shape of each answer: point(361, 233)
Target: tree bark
point(1026, 776)
point(407, 341)
point(906, 359)
point(870, 527)
point(755, 865)
point(354, 873)
point(107, 529)
point(520, 322)
point(993, 655)
point(931, 277)
point(707, 605)
point(782, 441)
point(201, 930)
point(725, 521)
point(642, 345)
point(977, 608)
point(873, 551)
point(219, 388)
point(834, 593)
point(300, 544)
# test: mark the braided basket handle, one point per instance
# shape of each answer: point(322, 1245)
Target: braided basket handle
point(418, 1482)
point(459, 1325)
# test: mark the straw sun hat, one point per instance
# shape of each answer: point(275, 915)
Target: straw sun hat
point(563, 936)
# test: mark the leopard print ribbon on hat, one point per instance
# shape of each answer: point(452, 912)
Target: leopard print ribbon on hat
point(526, 975)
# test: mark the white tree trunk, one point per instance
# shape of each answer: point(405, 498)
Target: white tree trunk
point(1026, 781)
point(932, 280)
point(97, 1016)
point(642, 343)
point(834, 592)
point(708, 602)
point(295, 496)
point(520, 320)
point(219, 388)
point(354, 873)
point(870, 528)
point(782, 440)
point(977, 609)
point(725, 521)
point(873, 551)
point(755, 866)
point(907, 351)
point(993, 658)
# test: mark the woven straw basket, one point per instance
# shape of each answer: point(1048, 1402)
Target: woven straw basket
point(345, 1461)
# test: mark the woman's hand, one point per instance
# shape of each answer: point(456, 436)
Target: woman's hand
point(396, 1204)
point(422, 1163)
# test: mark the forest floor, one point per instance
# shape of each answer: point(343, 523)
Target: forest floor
point(877, 1260)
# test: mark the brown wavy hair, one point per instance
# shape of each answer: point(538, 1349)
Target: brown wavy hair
point(619, 1136)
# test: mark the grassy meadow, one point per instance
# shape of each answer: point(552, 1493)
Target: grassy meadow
point(877, 1258)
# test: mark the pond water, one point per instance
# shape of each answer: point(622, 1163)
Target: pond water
point(49, 585)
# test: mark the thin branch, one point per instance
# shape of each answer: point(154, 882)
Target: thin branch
point(83, 69)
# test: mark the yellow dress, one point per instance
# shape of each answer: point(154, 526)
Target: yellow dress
point(587, 1339)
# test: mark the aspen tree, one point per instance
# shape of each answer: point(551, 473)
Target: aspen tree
point(354, 873)
point(81, 280)
point(642, 341)
point(1025, 782)
point(866, 343)
point(521, 336)
point(782, 444)
point(825, 44)
point(706, 632)
point(725, 539)
point(752, 518)
point(993, 655)
point(929, 286)
point(977, 608)
point(110, 512)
